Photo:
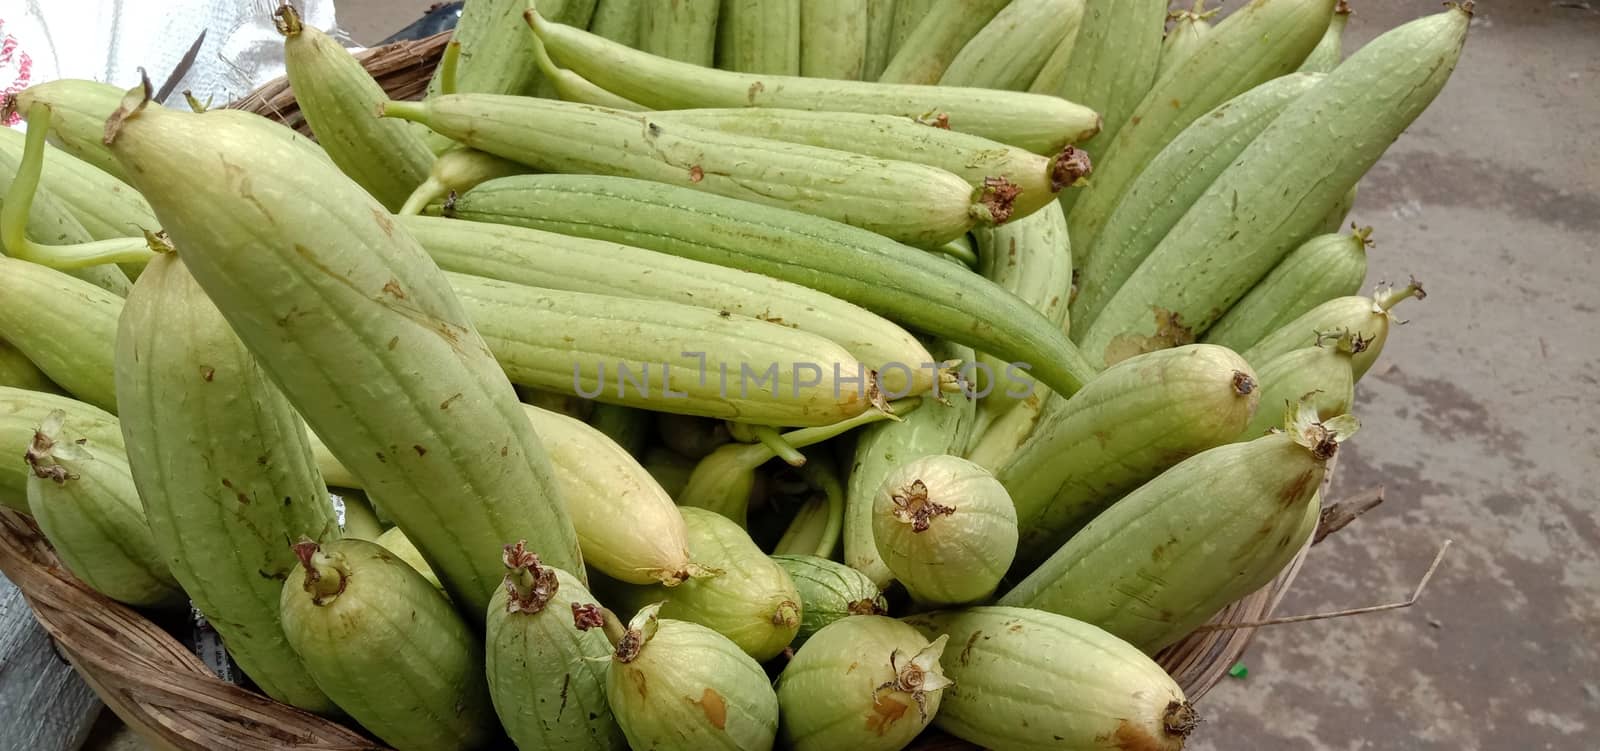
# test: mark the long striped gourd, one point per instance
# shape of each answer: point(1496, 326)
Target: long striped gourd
point(350, 317)
point(1330, 51)
point(981, 162)
point(617, 20)
point(1135, 420)
point(353, 611)
point(545, 259)
point(910, 202)
point(1081, 688)
point(337, 95)
point(456, 171)
point(908, 286)
point(1011, 49)
point(880, 33)
point(78, 112)
point(1370, 317)
point(1032, 259)
point(833, 38)
point(547, 678)
point(752, 601)
point(496, 51)
point(64, 325)
point(677, 684)
point(683, 30)
point(222, 463)
point(1325, 267)
point(1280, 188)
point(18, 372)
point(21, 413)
point(1108, 66)
point(1189, 29)
point(627, 525)
point(84, 501)
point(759, 36)
point(1318, 377)
point(1257, 43)
point(935, 39)
point(1169, 187)
point(1040, 124)
point(666, 357)
point(1133, 571)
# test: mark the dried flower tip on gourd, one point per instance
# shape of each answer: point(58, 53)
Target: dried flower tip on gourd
point(787, 614)
point(1243, 384)
point(587, 615)
point(918, 676)
point(1071, 167)
point(865, 606)
point(1321, 437)
point(913, 506)
point(324, 581)
point(998, 195)
point(529, 586)
point(938, 120)
point(640, 630)
point(1180, 719)
point(41, 451)
point(159, 241)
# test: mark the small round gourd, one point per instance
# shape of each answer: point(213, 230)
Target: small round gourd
point(946, 528)
point(675, 684)
point(867, 683)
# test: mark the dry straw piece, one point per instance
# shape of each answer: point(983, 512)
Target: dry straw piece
point(162, 691)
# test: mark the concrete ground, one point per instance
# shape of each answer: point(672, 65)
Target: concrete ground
point(1481, 421)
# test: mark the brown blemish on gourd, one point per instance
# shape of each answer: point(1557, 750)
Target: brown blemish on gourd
point(852, 668)
point(966, 652)
point(1160, 551)
point(696, 174)
point(207, 373)
point(885, 712)
point(639, 683)
point(446, 403)
point(755, 89)
point(715, 708)
point(384, 222)
point(1295, 492)
point(395, 342)
point(1170, 332)
point(419, 449)
point(393, 288)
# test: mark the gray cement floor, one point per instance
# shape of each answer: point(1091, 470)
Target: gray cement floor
point(1481, 422)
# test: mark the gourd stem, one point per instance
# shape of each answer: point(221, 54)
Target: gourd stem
point(325, 578)
point(769, 437)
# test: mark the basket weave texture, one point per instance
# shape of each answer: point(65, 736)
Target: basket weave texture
point(168, 696)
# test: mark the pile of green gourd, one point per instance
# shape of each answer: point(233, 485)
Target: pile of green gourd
point(1065, 331)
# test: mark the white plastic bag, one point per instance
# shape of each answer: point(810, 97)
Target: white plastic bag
point(109, 40)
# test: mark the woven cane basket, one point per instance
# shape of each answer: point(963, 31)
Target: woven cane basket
point(164, 693)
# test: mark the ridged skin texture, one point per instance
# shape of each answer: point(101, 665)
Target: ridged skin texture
point(223, 465)
point(1137, 419)
point(390, 650)
point(361, 331)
